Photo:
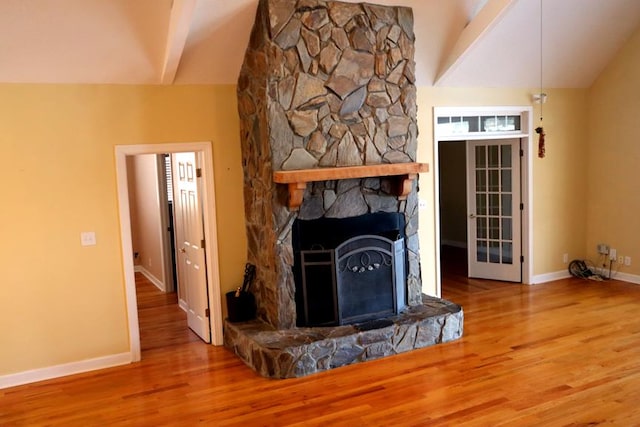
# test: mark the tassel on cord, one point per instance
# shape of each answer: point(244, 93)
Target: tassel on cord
point(541, 148)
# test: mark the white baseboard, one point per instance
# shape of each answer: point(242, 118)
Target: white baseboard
point(453, 243)
point(550, 277)
point(153, 279)
point(625, 277)
point(65, 369)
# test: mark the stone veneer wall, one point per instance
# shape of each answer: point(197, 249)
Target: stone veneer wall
point(323, 84)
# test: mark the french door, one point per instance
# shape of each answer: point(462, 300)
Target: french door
point(494, 219)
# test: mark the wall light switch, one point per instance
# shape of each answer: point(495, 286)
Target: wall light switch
point(88, 238)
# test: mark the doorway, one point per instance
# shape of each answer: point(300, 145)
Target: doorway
point(204, 151)
point(459, 229)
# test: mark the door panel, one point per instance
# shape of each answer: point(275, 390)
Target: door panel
point(493, 198)
point(192, 276)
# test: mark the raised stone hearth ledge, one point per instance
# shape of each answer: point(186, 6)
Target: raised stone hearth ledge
point(403, 173)
point(292, 353)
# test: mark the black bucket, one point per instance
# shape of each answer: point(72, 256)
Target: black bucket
point(242, 307)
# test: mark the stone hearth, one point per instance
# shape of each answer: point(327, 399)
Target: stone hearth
point(328, 85)
point(297, 352)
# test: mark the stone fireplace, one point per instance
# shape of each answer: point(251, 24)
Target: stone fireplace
point(327, 106)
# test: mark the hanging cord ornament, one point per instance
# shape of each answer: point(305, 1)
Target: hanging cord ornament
point(542, 99)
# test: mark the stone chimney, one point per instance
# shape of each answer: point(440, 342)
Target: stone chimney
point(324, 84)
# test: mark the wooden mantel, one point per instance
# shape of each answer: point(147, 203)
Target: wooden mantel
point(403, 174)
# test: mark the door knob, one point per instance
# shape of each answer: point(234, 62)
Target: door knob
point(183, 250)
point(472, 215)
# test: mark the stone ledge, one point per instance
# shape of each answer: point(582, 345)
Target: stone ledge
point(298, 352)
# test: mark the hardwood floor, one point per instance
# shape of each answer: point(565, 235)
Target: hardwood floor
point(162, 323)
point(562, 353)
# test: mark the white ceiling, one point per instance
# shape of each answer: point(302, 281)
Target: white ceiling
point(203, 41)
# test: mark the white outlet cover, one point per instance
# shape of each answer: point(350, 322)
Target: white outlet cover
point(88, 238)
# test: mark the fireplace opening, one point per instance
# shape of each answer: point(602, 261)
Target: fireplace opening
point(349, 270)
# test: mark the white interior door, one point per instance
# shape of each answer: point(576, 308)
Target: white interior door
point(192, 276)
point(493, 200)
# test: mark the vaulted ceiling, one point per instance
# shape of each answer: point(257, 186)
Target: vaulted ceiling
point(473, 43)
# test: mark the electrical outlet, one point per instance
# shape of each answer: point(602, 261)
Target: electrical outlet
point(565, 258)
point(613, 253)
point(627, 261)
point(620, 259)
point(88, 238)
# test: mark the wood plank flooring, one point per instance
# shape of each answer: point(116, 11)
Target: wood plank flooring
point(558, 354)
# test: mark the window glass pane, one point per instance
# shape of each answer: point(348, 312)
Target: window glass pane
point(494, 228)
point(493, 156)
point(505, 153)
point(481, 228)
point(507, 253)
point(494, 204)
point(481, 253)
point(501, 122)
point(481, 160)
point(506, 205)
point(494, 180)
point(514, 121)
point(489, 123)
point(481, 180)
point(494, 252)
point(473, 122)
point(507, 229)
point(506, 180)
point(481, 204)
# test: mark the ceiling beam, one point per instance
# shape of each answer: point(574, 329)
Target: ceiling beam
point(179, 26)
point(486, 18)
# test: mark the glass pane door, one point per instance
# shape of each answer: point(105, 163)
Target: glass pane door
point(493, 193)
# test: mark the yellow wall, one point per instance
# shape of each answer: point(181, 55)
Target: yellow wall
point(61, 302)
point(146, 221)
point(558, 180)
point(613, 197)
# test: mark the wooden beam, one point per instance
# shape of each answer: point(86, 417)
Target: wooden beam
point(348, 172)
point(179, 26)
point(489, 15)
point(403, 175)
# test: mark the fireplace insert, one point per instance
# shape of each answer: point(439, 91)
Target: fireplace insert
point(349, 270)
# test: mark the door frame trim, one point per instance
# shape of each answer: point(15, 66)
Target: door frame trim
point(210, 230)
point(526, 171)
